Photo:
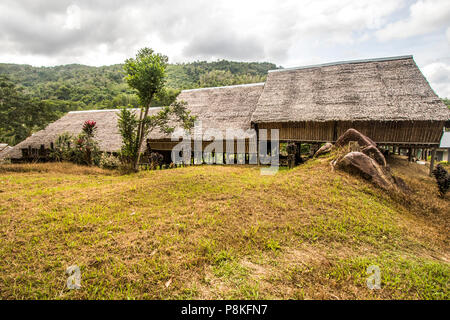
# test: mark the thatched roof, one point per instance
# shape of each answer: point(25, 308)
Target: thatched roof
point(223, 108)
point(219, 107)
point(107, 133)
point(378, 89)
point(4, 150)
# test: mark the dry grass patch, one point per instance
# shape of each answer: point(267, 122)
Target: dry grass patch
point(217, 232)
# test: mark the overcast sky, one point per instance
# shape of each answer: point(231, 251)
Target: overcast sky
point(288, 33)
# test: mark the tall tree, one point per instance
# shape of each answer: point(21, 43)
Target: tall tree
point(21, 115)
point(147, 74)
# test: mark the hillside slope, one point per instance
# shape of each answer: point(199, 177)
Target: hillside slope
point(220, 232)
point(86, 87)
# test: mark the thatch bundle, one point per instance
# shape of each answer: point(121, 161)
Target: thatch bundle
point(387, 89)
point(224, 108)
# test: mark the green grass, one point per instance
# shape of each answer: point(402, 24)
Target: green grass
point(222, 232)
point(401, 277)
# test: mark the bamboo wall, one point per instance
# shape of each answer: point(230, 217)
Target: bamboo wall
point(425, 133)
point(401, 132)
point(387, 132)
point(302, 131)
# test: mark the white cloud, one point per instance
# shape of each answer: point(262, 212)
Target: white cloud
point(438, 75)
point(288, 33)
point(425, 16)
point(73, 18)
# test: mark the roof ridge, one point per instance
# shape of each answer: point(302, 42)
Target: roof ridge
point(343, 62)
point(224, 87)
point(106, 110)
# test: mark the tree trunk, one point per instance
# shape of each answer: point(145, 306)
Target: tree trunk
point(433, 154)
point(140, 136)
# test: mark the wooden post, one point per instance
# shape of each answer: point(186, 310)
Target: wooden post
point(257, 143)
point(298, 156)
point(433, 154)
point(409, 154)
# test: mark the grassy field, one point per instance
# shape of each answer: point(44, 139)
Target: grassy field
point(220, 232)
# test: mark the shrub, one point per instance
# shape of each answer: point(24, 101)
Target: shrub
point(62, 150)
point(89, 128)
point(80, 150)
point(109, 161)
point(442, 179)
point(5, 161)
point(128, 124)
point(86, 143)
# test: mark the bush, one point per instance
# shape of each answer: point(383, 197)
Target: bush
point(82, 149)
point(109, 161)
point(442, 179)
point(5, 161)
point(62, 150)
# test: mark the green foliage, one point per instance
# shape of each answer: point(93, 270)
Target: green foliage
point(82, 149)
point(128, 125)
point(201, 73)
point(62, 150)
point(21, 115)
point(146, 74)
point(177, 111)
point(442, 179)
point(273, 245)
point(165, 97)
point(216, 78)
point(109, 161)
point(86, 143)
point(447, 102)
point(79, 87)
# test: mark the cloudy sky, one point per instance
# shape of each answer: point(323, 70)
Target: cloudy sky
point(288, 33)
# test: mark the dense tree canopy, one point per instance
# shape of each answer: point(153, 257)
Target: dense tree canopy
point(21, 115)
point(79, 87)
